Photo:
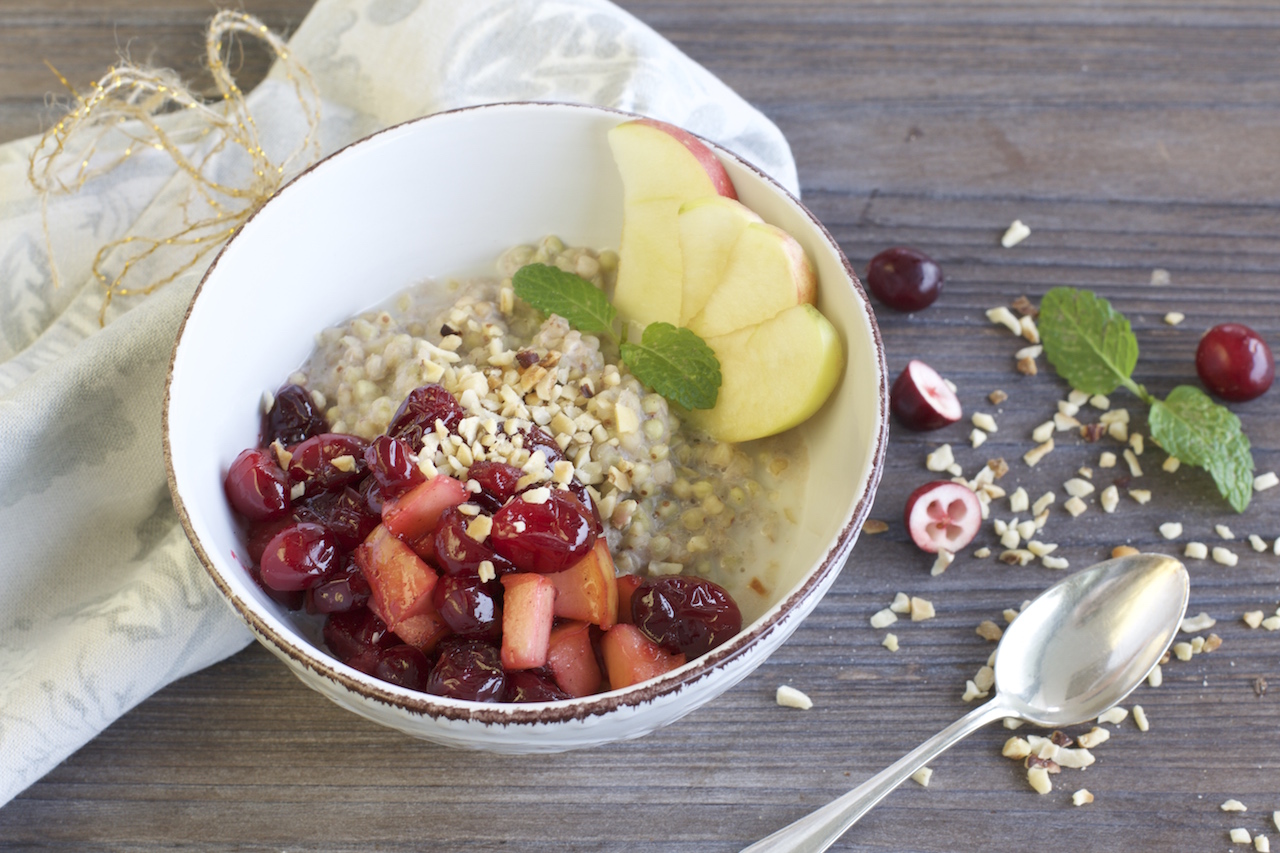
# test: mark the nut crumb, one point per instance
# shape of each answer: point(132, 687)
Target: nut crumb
point(1015, 234)
point(921, 609)
point(1004, 317)
point(1094, 737)
point(1171, 464)
point(1026, 366)
point(1038, 777)
point(1016, 748)
point(872, 526)
point(1033, 456)
point(984, 421)
point(1200, 622)
point(1262, 482)
point(922, 776)
point(1140, 718)
point(997, 397)
point(1252, 618)
point(1113, 715)
point(998, 467)
point(1173, 318)
point(944, 559)
point(1223, 531)
point(1196, 550)
point(989, 630)
point(1124, 551)
point(1024, 306)
point(1260, 689)
point(1171, 529)
point(890, 642)
point(1234, 806)
point(977, 437)
point(901, 603)
point(1261, 844)
point(982, 553)
point(1160, 277)
point(1224, 556)
point(1075, 506)
point(789, 697)
point(1240, 835)
point(1142, 496)
point(1081, 797)
point(883, 618)
point(1255, 542)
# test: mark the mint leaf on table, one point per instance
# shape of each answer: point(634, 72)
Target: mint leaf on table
point(551, 290)
point(1190, 426)
point(1087, 341)
point(677, 364)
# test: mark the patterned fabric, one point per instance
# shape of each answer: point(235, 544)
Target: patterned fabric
point(102, 601)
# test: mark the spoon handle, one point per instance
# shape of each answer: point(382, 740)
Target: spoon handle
point(820, 829)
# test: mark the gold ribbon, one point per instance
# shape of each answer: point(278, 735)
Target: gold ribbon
point(139, 103)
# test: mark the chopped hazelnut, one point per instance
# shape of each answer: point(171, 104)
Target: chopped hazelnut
point(1173, 318)
point(1033, 456)
point(982, 553)
point(872, 526)
point(1055, 563)
point(1124, 551)
point(1212, 643)
point(789, 697)
point(1094, 737)
point(1196, 550)
point(940, 459)
point(997, 397)
point(1113, 715)
point(1092, 432)
point(1223, 531)
point(901, 603)
point(1142, 496)
point(921, 609)
point(1043, 432)
point(1224, 556)
point(1016, 748)
point(1081, 797)
point(998, 467)
point(1240, 835)
point(1015, 234)
point(1255, 542)
point(1075, 506)
point(1200, 622)
point(1004, 317)
point(1042, 503)
point(977, 437)
point(1171, 530)
point(890, 642)
point(1026, 366)
point(1140, 718)
point(984, 421)
point(1252, 618)
point(922, 776)
point(1038, 777)
point(1172, 464)
point(1077, 487)
point(1262, 482)
point(989, 630)
point(1233, 806)
point(1024, 306)
point(1110, 499)
point(1134, 468)
point(883, 618)
point(944, 559)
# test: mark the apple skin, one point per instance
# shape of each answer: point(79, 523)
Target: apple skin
point(709, 232)
point(662, 167)
point(774, 375)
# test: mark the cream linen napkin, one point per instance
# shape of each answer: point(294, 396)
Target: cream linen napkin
point(102, 601)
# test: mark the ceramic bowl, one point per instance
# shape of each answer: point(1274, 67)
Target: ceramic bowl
point(435, 197)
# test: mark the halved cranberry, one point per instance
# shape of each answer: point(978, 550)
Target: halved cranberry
point(292, 419)
point(256, 486)
point(942, 515)
point(544, 537)
point(299, 557)
point(536, 438)
point(403, 665)
point(468, 669)
point(1235, 363)
point(313, 462)
point(357, 632)
point(390, 463)
point(419, 412)
point(922, 400)
point(344, 514)
point(497, 483)
point(530, 685)
point(456, 553)
point(469, 607)
point(904, 279)
point(683, 614)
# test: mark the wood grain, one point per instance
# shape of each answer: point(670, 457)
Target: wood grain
point(1129, 136)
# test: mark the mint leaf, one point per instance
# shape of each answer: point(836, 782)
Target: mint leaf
point(551, 290)
point(677, 364)
point(1192, 427)
point(1088, 342)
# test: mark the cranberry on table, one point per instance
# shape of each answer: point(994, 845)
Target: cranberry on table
point(684, 614)
point(904, 279)
point(292, 418)
point(469, 607)
point(257, 487)
point(922, 400)
point(419, 412)
point(547, 536)
point(1235, 363)
point(470, 670)
point(299, 557)
point(942, 515)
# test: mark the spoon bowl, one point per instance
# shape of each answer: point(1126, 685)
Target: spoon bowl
point(1079, 648)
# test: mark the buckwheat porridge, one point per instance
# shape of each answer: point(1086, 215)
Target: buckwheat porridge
point(672, 502)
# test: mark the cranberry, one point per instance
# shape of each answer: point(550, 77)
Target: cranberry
point(536, 438)
point(299, 557)
point(904, 279)
point(389, 460)
point(256, 486)
point(372, 495)
point(530, 685)
point(497, 483)
point(468, 669)
point(403, 665)
point(288, 600)
point(942, 515)
point(357, 632)
point(921, 400)
point(419, 412)
point(456, 553)
point(469, 607)
point(292, 419)
point(544, 537)
point(313, 462)
point(340, 593)
point(1234, 363)
point(684, 614)
point(344, 514)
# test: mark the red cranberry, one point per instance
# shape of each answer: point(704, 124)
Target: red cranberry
point(904, 279)
point(292, 419)
point(357, 632)
point(536, 438)
point(468, 669)
point(456, 553)
point(469, 607)
point(403, 665)
point(544, 537)
point(340, 594)
point(372, 495)
point(497, 483)
point(684, 614)
point(344, 514)
point(1235, 363)
point(419, 412)
point(261, 534)
point(921, 400)
point(942, 515)
point(530, 685)
point(256, 486)
point(288, 600)
point(312, 463)
point(390, 463)
point(299, 557)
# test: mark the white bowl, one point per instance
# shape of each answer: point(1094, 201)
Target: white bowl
point(435, 197)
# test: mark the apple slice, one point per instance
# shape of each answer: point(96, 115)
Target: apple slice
point(527, 615)
point(572, 659)
point(709, 230)
point(627, 586)
point(774, 375)
point(400, 582)
point(588, 590)
point(417, 512)
point(662, 167)
point(630, 657)
point(766, 273)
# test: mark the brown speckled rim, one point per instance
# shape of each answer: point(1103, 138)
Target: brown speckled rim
point(816, 580)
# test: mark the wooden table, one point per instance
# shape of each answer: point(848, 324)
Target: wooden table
point(1129, 137)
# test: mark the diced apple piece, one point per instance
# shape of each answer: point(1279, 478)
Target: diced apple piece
point(662, 167)
point(630, 657)
point(400, 582)
point(572, 660)
point(528, 611)
point(709, 230)
point(774, 375)
point(417, 512)
point(588, 590)
point(767, 272)
point(423, 631)
point(627, 585)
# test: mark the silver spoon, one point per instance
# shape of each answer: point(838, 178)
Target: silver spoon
point(1082, 646)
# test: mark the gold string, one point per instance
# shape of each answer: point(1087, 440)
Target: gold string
point(135, 102)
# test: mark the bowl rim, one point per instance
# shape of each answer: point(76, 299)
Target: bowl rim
point(424, 704)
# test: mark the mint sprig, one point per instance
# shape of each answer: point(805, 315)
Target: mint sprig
point(673, 362)
point(1092, 347)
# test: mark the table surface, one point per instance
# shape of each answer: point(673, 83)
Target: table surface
point(1129, 136)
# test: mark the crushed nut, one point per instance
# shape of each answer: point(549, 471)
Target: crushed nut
point(1262, 482)
point(922, 776)
point(1016, 748)
point(1255, 541)
point(1110, 499)
point(1240, 835)
point(1225, 556)
point(883, 618)
point(1018, 557)
point(921, 609)
point(901, 603)
point(977, 437)
point(789, 697)
point(1038, 777)
point(890, 642)
point(997, 397)
point(1075, 506)
point(940, 459)
point(1261, 844)
point(1004, 317)
point(944, 559)
point(1271, 623)
point(1233, 806)
point(872, 526)
point(1171, 464)
point(1033, 456)
point(1026, 366)
point(984, 421)
point(1043, 432)
point(1042, 503)
point(1124, 551)
point(1055, 562)
point(1113, 715)
point(1081, 797)
point(982, 553)
point(1095, 736)
point(1029, 330)
point(1182, 651)
point(1171, 530)
point(1173, 318)
point(1196, 550)
point(1200, 622)
point(1140, 718)
point(1134, 468)
point(1092, 432)
point(1159, 277)
point(1013, 235)
point(1024, 306)
point(989, 630)
point(1077, 487)
point(1142, 496)
point(1223, 531)
point(1211, 643)
point(1252, 618)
